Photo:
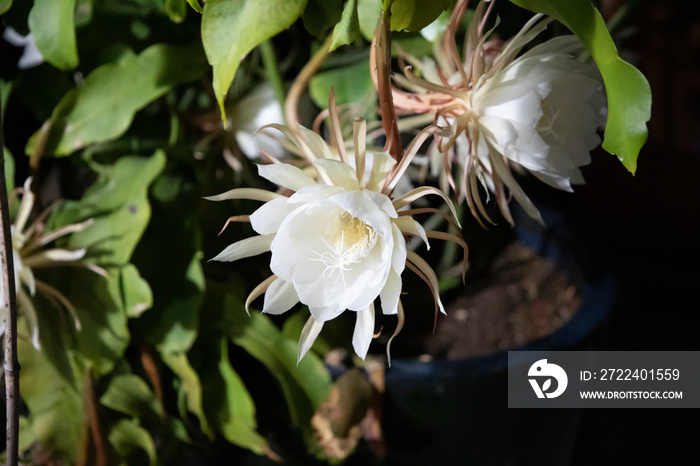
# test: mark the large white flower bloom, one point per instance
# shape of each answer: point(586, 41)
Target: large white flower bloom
point(337, 241)
point(540, 111)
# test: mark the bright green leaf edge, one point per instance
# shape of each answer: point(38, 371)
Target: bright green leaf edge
point(629, 94)
point(52, 24)
point(231, 29)
point(348, 29)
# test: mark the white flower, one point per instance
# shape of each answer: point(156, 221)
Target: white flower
point(338, 242)
point(540, 111)
point(258, 108)
point(29, 252)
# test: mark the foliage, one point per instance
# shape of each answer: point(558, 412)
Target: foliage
point(121, 127)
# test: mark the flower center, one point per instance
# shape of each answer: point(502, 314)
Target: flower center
point(348, 240)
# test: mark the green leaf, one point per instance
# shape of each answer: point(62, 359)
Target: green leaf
point(352, 85)
point(104, 106)
point(83, 12)
point(118, 203)
point(196, 6)
point(414, 15)
point(52, 25)
point(304, 385)
point(191, 385)
point(237, 415)
point(9, 169)
point(319, 15)
point(55, 405)
point(130, 394)
point(368, 14)
point(347, 30)
point(98, 302)
point(5, 89)
point(231, 29)
point(118, 184)
point(176, 9)
point(127, 435)
point(629, 94)
point(138, 296)
point(177, 279)
point(5, 5)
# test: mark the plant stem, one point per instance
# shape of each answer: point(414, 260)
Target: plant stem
point(10, 304)
point(272, 72)
point(382, 39)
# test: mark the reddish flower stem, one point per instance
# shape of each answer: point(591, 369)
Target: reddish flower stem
point(386, 102)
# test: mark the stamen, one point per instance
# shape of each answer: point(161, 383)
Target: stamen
point(348, 241)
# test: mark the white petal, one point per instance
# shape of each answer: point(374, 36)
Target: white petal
point(286, 175)
point(279, 297)
point(314, 193)
point(26, 276)
point(245, 193)
point(25, 206)
point(382, 165)
point(316, 143)
point(391, 293)
point(566, 44)
point(340, 173)
point(364, 330)
point(308, 336)
point(410, 226)
point(267, 219)
point(324, 314)
point(29, 311)
point(518, 103)
point(245, 248)
point(398, 255)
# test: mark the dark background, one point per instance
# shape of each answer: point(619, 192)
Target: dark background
point(649, 227)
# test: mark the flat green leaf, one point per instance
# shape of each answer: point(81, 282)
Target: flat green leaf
point(127, 435)
point(118, 184)
point(5, 89)
point(320, 15)
point(352, 85)
point(138, 296)
point(118, 204)
point(304, 385)
point(368, 14)
point(629, 94)
point(176, 10)
point(231, 29)
point(236, 409)
point(104, 106)
point(191, 386)
point(131, 395)
point(9, 169)
point(98, 302)
point(414, 15)
point(348, 29)
point(26, 434)
point(52, 25)
point(5, 5)
point(56, 417)
point(112, 237)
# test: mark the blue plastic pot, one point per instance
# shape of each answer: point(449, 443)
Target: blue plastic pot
point(456, 412)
